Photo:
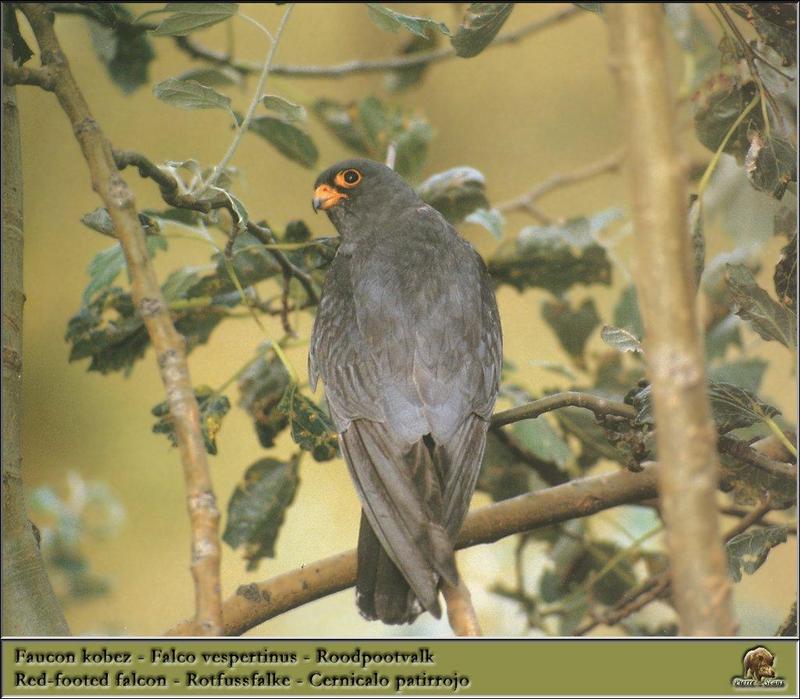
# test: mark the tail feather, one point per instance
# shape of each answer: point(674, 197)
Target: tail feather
point(381, 590)
point(414, 500)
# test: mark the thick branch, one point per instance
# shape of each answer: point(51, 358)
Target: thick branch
point(255, 603)
point(195, 50)
point(29, 606)
point(168, 344)
point(686, 437)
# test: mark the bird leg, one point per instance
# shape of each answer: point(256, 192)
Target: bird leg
point(460, 612)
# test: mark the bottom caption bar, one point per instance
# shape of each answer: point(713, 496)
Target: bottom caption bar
point(229, 667)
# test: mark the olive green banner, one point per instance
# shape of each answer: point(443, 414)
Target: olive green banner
point(234, 667)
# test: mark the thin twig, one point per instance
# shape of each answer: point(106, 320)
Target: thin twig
point(598, 405)
point(172, 195)
point(659, 585)
point(257, 602)
point(21, 75)
point(248, 117)
point(146, 292)
point(525, 202)
point(743, 452)
point(195, 50)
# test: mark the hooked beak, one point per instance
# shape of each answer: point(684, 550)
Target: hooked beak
point(325, 197)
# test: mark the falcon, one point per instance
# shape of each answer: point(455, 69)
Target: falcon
point(408, 343)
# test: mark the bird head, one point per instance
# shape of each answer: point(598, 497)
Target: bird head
point(359, 191)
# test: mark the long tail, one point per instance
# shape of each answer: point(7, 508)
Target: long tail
point(414, 502)
point(381, 590)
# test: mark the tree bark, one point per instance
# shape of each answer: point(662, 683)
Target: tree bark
point(169, 345)
point(257, 602)
point(30, 607)
point(686, 437)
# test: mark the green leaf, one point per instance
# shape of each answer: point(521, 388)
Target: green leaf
point(107, 264)
point(369, 126)
point(721, 335)
point(620, 339)
point(573, 327)
point(258, 507)
point(502, 475)
point(288, 111)
point(770, 319)
point(776, 24)
point(212, 76)
point(190, 95)
point(544, 442)
point(213, 408)
point(595, 444)
point(717, 105)
point(121, 46)
point(556, 257)
point(109, 331)
point(698, 239)
point(626, 312)
point(412, 148)
point(481, 23)
point(99, 220)
point(403, 78)
point(290, 141)
point(342, 121)
point(261, 388)
point(186, 17)
point(785, 276)
point(596, 7)
point(770, 164)
point(698, 44)
point(456, 193)
point(20, 51)
point(748, 551)
point(392, 20)
point(491, 219)
point(312, 429)
point(748, 484)
point(745, 373)
point(732, 407)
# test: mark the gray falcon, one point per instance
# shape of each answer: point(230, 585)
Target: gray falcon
point(407, 341)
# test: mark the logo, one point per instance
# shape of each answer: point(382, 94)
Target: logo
point(758, 670)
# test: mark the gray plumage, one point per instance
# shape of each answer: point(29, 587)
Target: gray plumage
point(407, 341)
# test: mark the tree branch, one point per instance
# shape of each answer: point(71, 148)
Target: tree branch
point(686, 437)
point(255, 603)
point(525, 202)
point(30, 607)
point(598, 405)
point(172, 195)
point(659, 585)
point(262, 81)
point(460, 612)
point(169, 345)
point(195, 50)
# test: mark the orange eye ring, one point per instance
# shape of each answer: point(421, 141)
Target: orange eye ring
point(348, 178)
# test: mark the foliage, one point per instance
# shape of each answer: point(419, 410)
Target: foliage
point(566, 265)
point(68, 526)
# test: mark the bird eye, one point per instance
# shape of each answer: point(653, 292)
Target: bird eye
point(348, 178)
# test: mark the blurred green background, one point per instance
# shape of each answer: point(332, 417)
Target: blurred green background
point(519, 113)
